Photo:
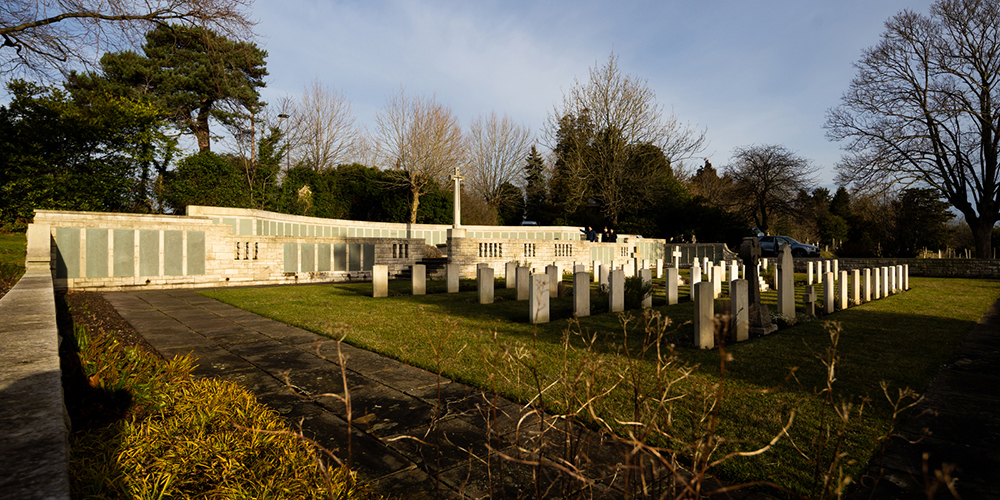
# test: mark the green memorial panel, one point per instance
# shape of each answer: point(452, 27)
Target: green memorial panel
point(232, 222)
point(195, 252)
point(308, 257)
point(97, 253)
point(67, 252)
point(354, 257)
point(291, 253)
point(149, 252)
point(339, 257)
point(323, 257)
point(173, 253)
point(124, 253)
point(368, 260)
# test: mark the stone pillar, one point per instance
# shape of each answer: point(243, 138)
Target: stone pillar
point(842, 289)
point(671, 285)
point(380, 280)
point(616, 291)
point(647, 279)
point(809, 273)
point(704, 316)
point(866, 289)
point(510, 274)
point(716, 281)
point(419, 276)
point(695, 277)
point(786, 283)
point(659, 268)
point(856, 287)
point(553, 274)
point(581, 294)
point(451, 272)
point(809, 297)
point(828, 293)
point(523, 283)
point(484, 278)
point(538, 299)
point(739, 310)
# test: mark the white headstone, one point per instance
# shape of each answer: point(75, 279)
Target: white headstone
point(856, 286)
point(616, 291)
point(419, 277)
point(484, 280)
point(523, 283)
point(809, 273)
point(842, 285)
point(877, 287)
point(704, 316)
point(597, 271)
point(647, 279)
point(828, 293)
point(740, 309)
point(786, 283)
point(581, 294)
point(676, 254)
point(451, 272)
point(659, 268)
point(695, 277)
point(866, 289)
point(380, 280)
point(510, 274)
point(553, 274)
point(716, 281)
point(538, 299)
point(671, 284)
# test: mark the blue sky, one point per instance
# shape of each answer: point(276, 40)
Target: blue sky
point(747, 72)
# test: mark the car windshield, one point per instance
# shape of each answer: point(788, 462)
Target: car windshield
point(790, 241)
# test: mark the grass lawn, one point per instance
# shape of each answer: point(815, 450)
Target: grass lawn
point(12, 254)
point(902, 340)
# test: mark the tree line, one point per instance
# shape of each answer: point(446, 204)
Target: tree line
point(108, 137)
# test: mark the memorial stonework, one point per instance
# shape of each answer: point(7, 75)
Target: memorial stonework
point(484, 282)
point(538, 299)
point(581, 294)
point(418, 275)
point(704, 316)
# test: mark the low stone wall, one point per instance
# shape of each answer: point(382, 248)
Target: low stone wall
point(34, 449)
point(936, 268)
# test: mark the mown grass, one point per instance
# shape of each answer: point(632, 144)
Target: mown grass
point(12, 254)
point(901, 340)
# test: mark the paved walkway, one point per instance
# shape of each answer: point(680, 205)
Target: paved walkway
point(392, 403)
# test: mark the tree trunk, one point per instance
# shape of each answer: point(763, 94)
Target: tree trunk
point(414, 205)
point(982, 232)
point(200, 128)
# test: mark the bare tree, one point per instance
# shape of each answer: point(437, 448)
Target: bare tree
point(322, 131)
point(40, 36)
point(924, 108)
point(419, 140)
point(616, 119)
point(497, 148)
point(767, 179)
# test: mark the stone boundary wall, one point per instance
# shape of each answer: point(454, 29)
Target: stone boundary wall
point(935, 268)
point(34, 450)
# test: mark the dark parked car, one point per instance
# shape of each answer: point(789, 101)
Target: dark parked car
point(769, 246)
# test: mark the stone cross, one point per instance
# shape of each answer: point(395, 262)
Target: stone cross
point(457, 178)
point(676, 254)
point(810, 299)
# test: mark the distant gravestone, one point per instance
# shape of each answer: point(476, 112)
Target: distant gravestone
point(866, 288)
point(671, 283)
point(523, 283)
point(842, 290)
point(659, 268)
point(580, 268)
point(451, 275)
point(739, 310)
point(760, 318)
point(647, 280)
point(484, 280)
point(581, 294)
point(418, 275)
point(553, 274)
point(828, 293)
point(734, 271)
point(510, 274)
point(809, 297)
point(616, 291)
point(836, 267)
point(906, 276)
point(380, 280)
point(786, 282)
point(676, 255)
point(704, 316)
point(809, 273)
point(597, 271)
point(605, 271)
point(717, 276)
point(695, 277)
point(877, 286)
point(538, 299)
point(885, 282)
